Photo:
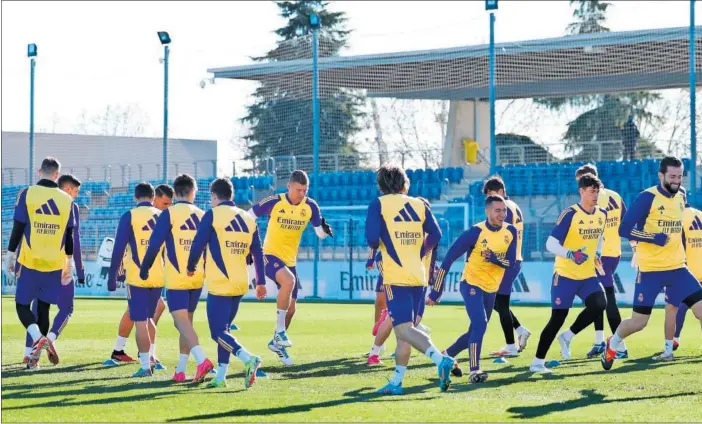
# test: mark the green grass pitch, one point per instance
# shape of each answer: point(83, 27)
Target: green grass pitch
point(330, 381)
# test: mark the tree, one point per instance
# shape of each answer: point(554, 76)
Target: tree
point(280, 119)
point(603, 114)
point(129, 121)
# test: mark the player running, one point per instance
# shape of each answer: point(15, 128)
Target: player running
point(612, 202)
point(162, 201)
point(383, 327)
point(230, 235)
point(655, 222)
point(176, 227)
point(491, 251)
point(288, 215)
point(66, 294)
point(575, 240)
point(133, 234)
point(397, 225)
point(495, 186)
point(43, 232)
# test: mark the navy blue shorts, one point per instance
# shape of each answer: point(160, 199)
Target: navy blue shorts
point(183, 299)
point(404, 303)
point(273, 264)
point(609, 265)
point(508, 278)
point(221, 311)
point(142, 302)
point(564, 290)
point(679, 284)
point(420, 311)
point(33, 284)
point(66, 295)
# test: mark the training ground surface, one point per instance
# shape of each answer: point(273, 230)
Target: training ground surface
point(330, 381)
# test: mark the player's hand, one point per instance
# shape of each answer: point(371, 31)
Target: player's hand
point(261, 291)
point(327, 229)
point(661, 239)
point(369, 264)
point(191, 273)
point(81, 281)
point(10, 261)
point(487, 254)
point(249, 259)
point(578, 256)
point(598, 265)
point(634, 263)
point(431, 302)
point(67, 273)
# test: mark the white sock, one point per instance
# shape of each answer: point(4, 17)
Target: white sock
point(120, 343)
point(222, 372)
point(152, 350)
point(622, 346)
point(182, 363)
point(521, 330)
point(375, 350)
point(538, 361)
point(599, 337)
point(27, 351)
point(434, 355)
point(198, 354)
point(668, 347)
point(677, 339)
point(243, 355)
point(616, 341)
point(568, 335)
point(144, 359)
point(34, 331)
point(398, 375)
point(280, 321)
point(52, 337)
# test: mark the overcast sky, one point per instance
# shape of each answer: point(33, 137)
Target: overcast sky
point(95, 54)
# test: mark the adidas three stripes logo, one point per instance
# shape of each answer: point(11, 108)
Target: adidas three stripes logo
point(237, 225)
point(191, 223)
point(407, 214)
point(48, 208)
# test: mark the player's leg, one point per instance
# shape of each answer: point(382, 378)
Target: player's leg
point(477, 304)
point(562, 294)
point(685, 290)
point(154, 299)
point(28, 339)
point(502, 298)
point(381, 337)
point(160, 307)
point(140, 313)
point(65, 311)
point(123, 332)
point(27, 290)
point(595, 303)
point(679, 322)
point(284, 278)
point(293, 298)
point(380, 303)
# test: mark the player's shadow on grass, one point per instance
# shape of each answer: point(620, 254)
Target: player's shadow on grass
point(350, 366)
point(20, 371)
point(365, 394)
point(589, 397)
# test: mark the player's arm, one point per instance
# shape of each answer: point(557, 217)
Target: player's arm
point(202, 236)
point(373, 222)
point(510, 255)
point(464, 245)
point(77, 253)
point(257, 253)
point(124, 228)
point(158, 237)
point(321, 228)
point(636, 217)
point(21, 219)
point(432, 267)
point(431, 229)
point(371, 258)
point(555, 241)
point(264, 207)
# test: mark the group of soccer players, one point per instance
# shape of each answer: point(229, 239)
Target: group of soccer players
point(166, 241)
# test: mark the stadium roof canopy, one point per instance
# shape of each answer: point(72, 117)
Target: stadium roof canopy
point(575, 64)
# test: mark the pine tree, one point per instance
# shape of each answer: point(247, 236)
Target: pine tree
point(280, 120)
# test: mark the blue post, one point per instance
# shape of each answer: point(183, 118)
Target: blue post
point(493, 146)
point(165, 114)
point(32, 63)
point(693, 108)
point(314, 22)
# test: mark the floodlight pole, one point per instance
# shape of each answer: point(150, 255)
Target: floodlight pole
point(491, 83)
point(31, 53)
point(315, 23)
point(693, 107)
point(166, 51)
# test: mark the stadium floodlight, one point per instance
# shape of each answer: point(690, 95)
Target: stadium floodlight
point(490, 4)
point(315, 21)
point(164, 38)
point(32, 50)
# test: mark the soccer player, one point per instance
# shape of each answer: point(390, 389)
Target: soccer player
point(229, 234)
point(692, 240)
point(176, 227)
point(163, 200)
point(43, 232)
point(383, 327)
point(495, 186)
point(403, 228)
point(288, 215)
point(70, 185)
point(574, 240)
point(612, 202)
point(133, 234)
point(491, 251)
point(655, 222)
point(381, 311)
